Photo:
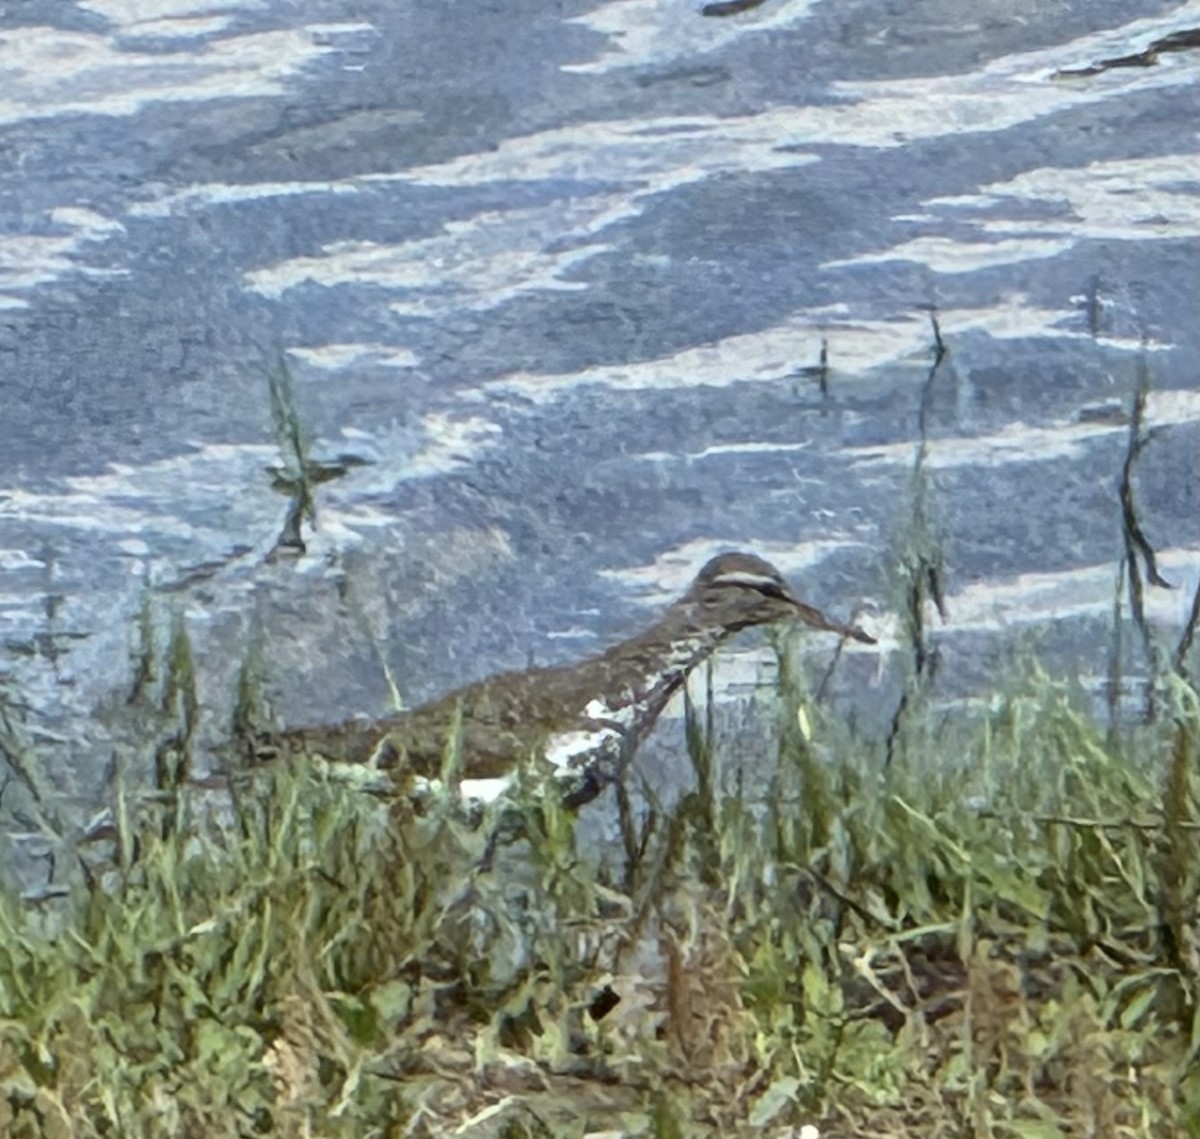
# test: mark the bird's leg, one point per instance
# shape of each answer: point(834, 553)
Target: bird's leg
point(606, 764)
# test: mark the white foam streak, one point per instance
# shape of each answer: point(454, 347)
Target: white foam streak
point(1141, 199)
point(1023, 443)
point(855, 348)
point(1004, 93)
point(132, 13)
point(28, 260)
point(225, 193)
point(475, 264)
point(1037, 598)
point(337, 357)
point(452, 443)
point(643, 32)
point(51, 71)
point(141, 501)
point(948, 255)
point(195, 506)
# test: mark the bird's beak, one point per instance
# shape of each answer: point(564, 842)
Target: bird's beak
point(817, 620)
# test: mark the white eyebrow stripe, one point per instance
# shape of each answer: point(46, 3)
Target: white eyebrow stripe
point(743, 577)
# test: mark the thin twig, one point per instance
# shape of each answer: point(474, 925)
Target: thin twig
point(939, 344)
point(1113, 695)
point(830, 669)
point(1136, 542)
point(1189, 633)
point(1135, 536)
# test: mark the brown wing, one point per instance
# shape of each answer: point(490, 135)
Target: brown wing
point(500, 720)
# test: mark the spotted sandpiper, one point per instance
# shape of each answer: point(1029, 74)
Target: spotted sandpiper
point(583, 719)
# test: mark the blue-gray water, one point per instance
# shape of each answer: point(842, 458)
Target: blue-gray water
point(561, 274)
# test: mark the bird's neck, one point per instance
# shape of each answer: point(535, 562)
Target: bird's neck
point(681, 638)
point(651, 666)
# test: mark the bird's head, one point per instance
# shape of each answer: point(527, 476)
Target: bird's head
point(739, 590)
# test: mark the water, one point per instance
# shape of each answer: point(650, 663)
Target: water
point(560, 282)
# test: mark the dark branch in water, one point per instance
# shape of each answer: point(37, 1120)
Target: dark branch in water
point(939, 345)
point(1136, 542)
point(730, 7)
point(1135, 536)
point(940, 351)
point(1113, 684)
point(1189, 633)
point(1181, 40)
point(291, 537)
point(818, 371)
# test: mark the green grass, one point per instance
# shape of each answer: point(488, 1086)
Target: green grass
point(996, 935)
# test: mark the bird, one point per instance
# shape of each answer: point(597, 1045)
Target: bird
point(582, 720)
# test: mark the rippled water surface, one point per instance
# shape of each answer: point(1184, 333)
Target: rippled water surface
point(578, 294)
